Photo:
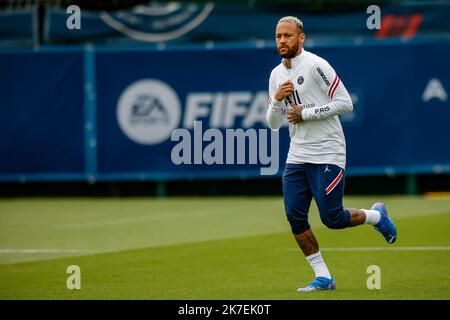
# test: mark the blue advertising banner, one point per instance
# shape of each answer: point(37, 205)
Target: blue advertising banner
point(398, 123)
point(19, 27)
point(150, 94)
point(41, 114)
point(404, 104)
point(179, 22)
point(144, 114)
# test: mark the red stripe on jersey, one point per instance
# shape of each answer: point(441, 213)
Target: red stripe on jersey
point(334, 82)
point(335, 87)
point(335, 182)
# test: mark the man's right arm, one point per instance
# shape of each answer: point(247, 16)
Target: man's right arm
point(274, 115)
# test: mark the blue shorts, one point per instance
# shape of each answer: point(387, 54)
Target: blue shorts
point(324, 182)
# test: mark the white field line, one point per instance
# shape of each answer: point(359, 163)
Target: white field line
point(377, 249)
point(64, 251)
point(41, 251)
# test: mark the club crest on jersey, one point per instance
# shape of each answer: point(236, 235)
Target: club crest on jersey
point(300, 80)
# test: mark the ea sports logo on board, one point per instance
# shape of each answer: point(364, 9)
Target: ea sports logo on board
point(148, 111)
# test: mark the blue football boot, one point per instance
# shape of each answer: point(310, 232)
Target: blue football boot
point(319, 283)
point(386, 226)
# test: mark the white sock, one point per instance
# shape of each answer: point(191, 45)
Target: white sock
point(372, 216)
point(318, 265)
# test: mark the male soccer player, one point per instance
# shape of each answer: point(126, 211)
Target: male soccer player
point(306, 90)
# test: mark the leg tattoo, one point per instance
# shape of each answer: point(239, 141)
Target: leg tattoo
point(357, 217)
point(307, 242)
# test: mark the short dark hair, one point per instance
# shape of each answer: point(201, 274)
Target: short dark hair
point(292, 19)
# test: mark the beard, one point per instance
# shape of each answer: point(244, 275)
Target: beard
point(290, 52)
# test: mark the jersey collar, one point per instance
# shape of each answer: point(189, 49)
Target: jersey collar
point(296, 60)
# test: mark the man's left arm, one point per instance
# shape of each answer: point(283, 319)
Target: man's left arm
point(329, 82)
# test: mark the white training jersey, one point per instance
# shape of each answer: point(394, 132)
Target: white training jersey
point(317, 87)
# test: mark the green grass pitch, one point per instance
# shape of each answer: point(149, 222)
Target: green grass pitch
point(213, 248)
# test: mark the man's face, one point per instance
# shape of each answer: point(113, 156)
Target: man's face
point(288, 39)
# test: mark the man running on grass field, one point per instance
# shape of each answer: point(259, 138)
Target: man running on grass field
point(306, 90)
